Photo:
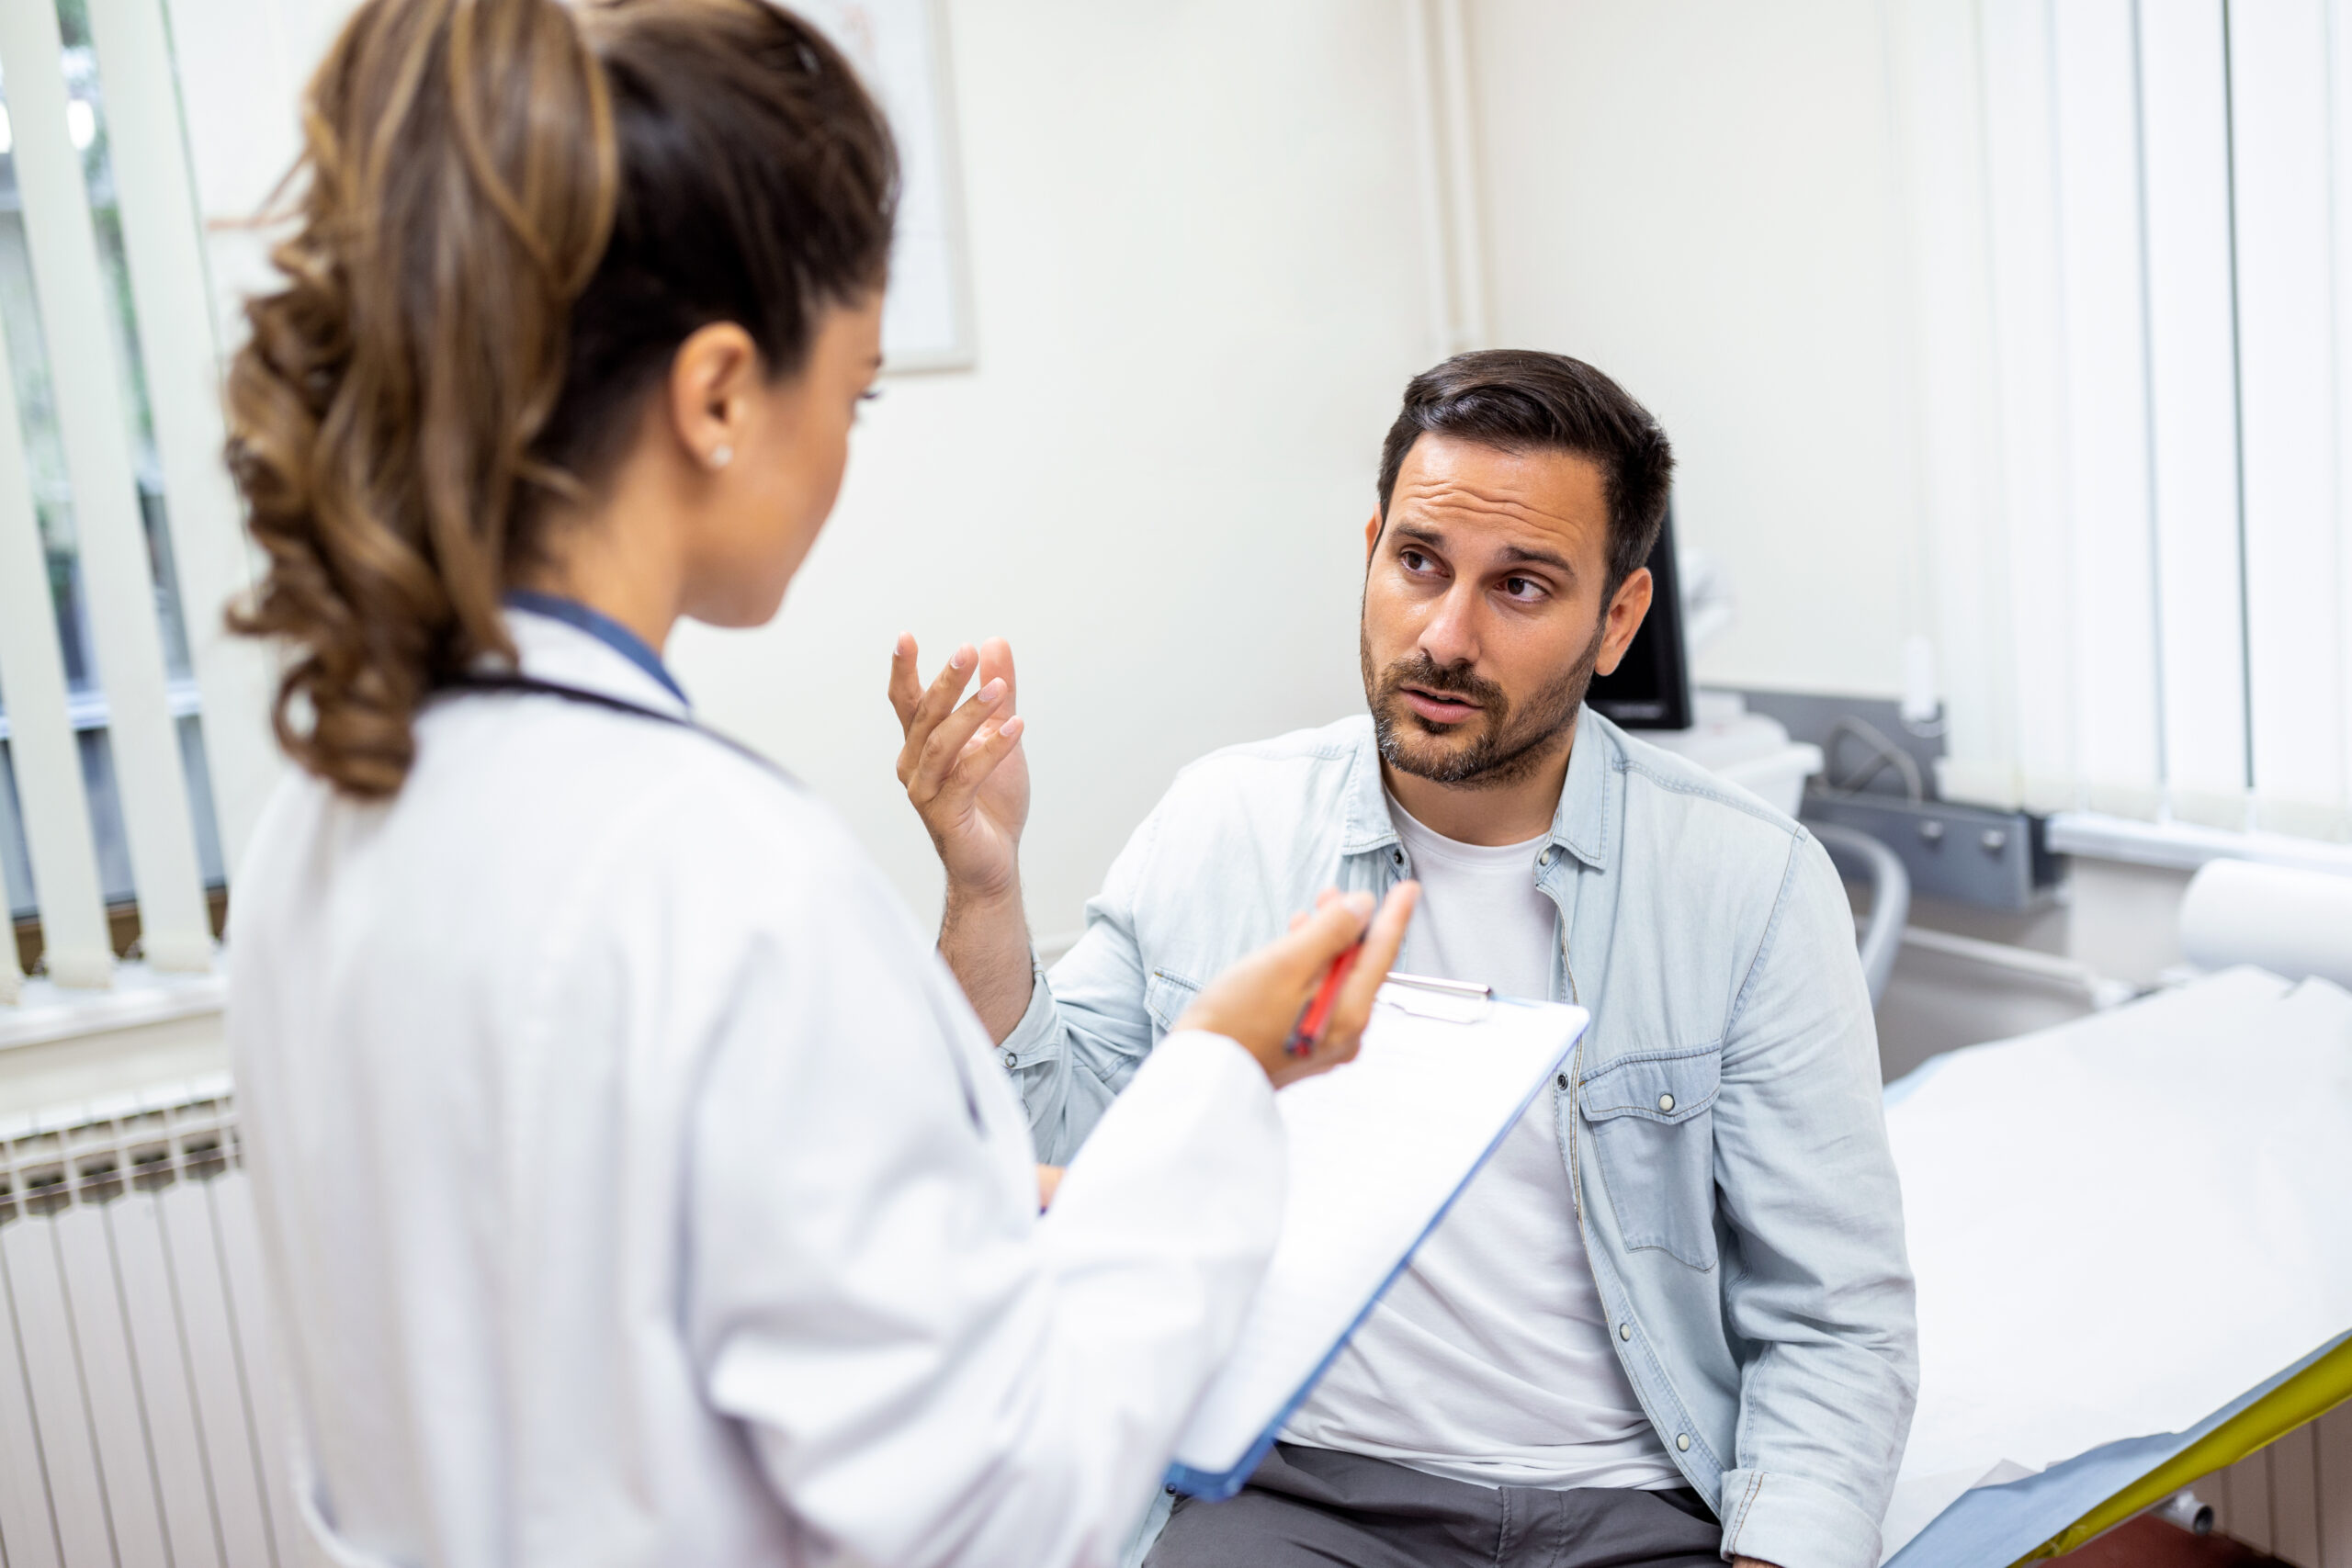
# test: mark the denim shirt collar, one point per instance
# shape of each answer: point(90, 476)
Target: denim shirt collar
point(1579, 824)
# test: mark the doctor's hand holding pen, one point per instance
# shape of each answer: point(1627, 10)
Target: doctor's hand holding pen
point(1299, 1003)
point(1267, 1000)
point(964, 773)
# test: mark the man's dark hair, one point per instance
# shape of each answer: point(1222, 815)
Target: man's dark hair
point(1522, 401)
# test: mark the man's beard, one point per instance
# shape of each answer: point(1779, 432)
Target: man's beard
point(1515, 740)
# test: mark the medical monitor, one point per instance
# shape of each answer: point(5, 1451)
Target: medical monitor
point(1651, 688)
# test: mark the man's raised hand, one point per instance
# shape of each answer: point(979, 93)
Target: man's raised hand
point(963, 767)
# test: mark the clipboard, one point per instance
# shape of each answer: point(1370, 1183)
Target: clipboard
point(1379, 1151)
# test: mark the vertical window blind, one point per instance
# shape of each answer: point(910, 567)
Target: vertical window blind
point(133, 754)
point(2132, 229)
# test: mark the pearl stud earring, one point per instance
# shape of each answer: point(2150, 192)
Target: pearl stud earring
point(721, 454)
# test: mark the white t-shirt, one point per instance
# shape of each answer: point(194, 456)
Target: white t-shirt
point(1488, 1359)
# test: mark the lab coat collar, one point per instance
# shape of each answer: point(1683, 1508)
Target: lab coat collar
point(551, 650)
point(1579, 824)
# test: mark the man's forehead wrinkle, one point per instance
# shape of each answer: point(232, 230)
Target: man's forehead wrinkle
point(1439, 502)
point(1449, 491)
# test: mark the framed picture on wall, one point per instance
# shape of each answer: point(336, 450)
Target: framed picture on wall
point(900, 48)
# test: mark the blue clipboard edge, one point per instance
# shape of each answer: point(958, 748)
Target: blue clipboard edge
point(1215, 1486)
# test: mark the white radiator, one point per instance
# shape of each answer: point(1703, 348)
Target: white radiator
point(2294, 1499)
point(139, 1414)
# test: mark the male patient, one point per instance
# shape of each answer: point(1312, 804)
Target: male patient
point(1670, 1322)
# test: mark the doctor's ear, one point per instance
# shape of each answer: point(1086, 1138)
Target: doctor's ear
point(711, 378)
point(1371, 539)
point(1626, 608)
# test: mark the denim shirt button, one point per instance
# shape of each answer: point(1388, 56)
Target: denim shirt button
point(1624, 1331)
point(1011, 1060)
point(1682, 1441)
point(1666, 1103)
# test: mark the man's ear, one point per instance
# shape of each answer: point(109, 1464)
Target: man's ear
point(1626, 608)
point(1371, 539)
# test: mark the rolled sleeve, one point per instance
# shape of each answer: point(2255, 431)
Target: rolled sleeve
point(1795, 1523)
point(1034, 1038)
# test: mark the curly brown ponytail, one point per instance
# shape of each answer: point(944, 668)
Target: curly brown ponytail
point(514, 211)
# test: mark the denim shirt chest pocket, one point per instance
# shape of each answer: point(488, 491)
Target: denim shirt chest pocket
point(1653, 1124)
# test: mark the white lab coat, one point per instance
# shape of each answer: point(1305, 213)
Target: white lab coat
point(638, 1186)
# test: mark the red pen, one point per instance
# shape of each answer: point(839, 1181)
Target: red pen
point(1307, 1033)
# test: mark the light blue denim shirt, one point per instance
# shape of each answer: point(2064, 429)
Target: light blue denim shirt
point(1746, 1235)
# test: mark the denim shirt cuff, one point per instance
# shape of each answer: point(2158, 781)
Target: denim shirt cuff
point(1033, 1038)
point(1790, 1522)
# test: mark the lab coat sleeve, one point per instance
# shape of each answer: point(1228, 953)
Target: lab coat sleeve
point(1819, 1294)
point(1089, 1025)
point(930, 1373)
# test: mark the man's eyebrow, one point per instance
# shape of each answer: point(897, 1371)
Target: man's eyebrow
point(1520, 553)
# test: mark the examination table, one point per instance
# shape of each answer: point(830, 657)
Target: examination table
point(2133, 1240)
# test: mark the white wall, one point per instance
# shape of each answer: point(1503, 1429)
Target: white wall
point(1702, 197)
point(1196, 250)
point(1197, 272)
point(242, 67)
point(1200, 293)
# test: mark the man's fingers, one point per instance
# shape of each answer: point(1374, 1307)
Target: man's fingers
point(979, 758)
point(945, 743)
point(936, 703)
point(906, 679)
point(996, 664)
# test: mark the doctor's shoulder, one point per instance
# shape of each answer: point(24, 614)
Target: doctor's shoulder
point(781, 863)
point(635, 810)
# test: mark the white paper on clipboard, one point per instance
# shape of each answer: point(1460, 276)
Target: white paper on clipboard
point(1378, 1150)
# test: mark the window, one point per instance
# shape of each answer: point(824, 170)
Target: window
point(119, 538)
point(2132, 224)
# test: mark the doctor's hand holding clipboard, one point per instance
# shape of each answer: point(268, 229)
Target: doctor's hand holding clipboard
point(637, 1184)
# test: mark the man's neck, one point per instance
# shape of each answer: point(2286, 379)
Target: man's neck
point(1509, 813)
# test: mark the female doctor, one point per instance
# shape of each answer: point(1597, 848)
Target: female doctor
point(635, 1184)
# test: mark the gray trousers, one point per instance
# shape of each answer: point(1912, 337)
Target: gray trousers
point(1313, 1508)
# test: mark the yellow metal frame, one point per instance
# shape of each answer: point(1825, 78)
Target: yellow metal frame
point(2308, 1395)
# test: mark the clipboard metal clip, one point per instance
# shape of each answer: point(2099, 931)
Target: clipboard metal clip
point(1426, 995)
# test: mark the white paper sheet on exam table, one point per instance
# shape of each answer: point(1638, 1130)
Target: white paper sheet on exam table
point(1378, 1149)
point(2119, 1225)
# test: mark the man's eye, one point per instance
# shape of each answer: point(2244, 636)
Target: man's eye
point(1521, 587)
point(1414, 560)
